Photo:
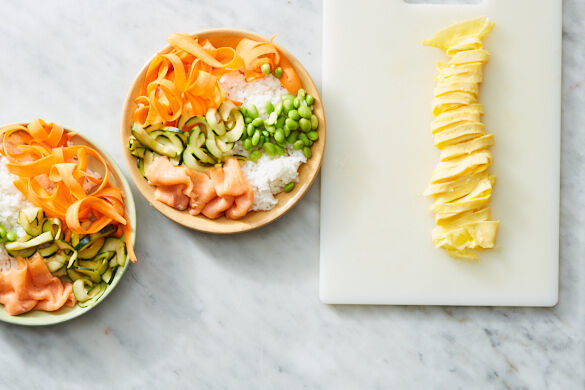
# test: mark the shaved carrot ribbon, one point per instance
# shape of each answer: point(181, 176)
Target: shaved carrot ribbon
point(51, 174)
point(186, 80)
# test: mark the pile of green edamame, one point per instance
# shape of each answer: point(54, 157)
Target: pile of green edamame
point(290, 122)
point(7, 235)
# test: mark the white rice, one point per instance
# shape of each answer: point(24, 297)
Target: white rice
point(11, 202)
point(267, 176)
point(256, 92)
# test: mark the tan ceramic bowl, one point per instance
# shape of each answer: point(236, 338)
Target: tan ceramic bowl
point(307, 172)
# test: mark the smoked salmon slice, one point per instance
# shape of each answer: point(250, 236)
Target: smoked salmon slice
point(173, 184)
point(31, 286)
point(203, 192)
point(217, 206)
point(230, 179)
point(241, 205)
point(210, 194)
point(173, 195)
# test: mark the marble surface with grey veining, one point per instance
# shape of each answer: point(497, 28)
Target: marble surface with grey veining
point(242, 312)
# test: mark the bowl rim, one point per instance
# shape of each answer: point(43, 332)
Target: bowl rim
point(219, 226)
point(43, 318)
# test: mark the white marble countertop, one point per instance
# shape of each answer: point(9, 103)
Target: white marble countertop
point(242, 312)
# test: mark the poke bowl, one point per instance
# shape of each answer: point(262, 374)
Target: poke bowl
point(207, 101)
point(39, 245)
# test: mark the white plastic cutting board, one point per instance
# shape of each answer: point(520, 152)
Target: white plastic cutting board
point(377, 88)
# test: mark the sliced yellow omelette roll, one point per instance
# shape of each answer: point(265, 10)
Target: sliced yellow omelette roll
point(461, 185)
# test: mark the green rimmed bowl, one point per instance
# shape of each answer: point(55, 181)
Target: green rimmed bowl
point(40, 318)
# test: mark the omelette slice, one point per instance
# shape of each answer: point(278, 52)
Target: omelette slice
point(461, 186)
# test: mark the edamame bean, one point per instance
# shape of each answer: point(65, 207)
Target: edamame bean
point(292, 138)
point(257, 122)
point(291, 124)
point(250, 129)
point(314, 122)
point(301, 93)
point(269, 149)
point(252, 111)
point(278, 108)
point(255, 155)
point(244, 111)
point(294, 114)
point(2, 232)
point(296, 102)
point(248, 120)
point(289, 187)
point(305, 112)
point(270, 129)
point(288, 96)
point(247, 143)
point(265, 68)
point(256, 137)
point(313, 135)
point(265, 133)
point(11, 235)
point(286, 131)
point(298, 145)
point(307, 152)
point(269, 107)
point(288, 105)
point(280, 122)
point(309, 99)
point(279, 149)
point(261, 142)
point(279, 136)
point(278, 72)
point(305, 125)
point(303, 137)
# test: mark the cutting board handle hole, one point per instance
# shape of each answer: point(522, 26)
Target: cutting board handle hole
point(444, 2)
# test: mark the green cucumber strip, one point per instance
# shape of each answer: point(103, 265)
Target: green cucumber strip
point(75, 238)
point(194, 121)
point(31, 220)
point(24, 253)
point(140, 165)
point(95, 293)
point(94, 276)
point(138, 152)
point(48, 251)
point(33, 242)
point(56, 262)
point(83, 243)
point(214, 121)
point(113, 243)
point(211, 145)
point(74, 275)
point(53, 225)
point(149, 142)
point(190, 161)
point(118, 246)
point(106, 231)
point(31, 214)
point(134, 144)
point(239, 127)
point(182, 121)
point(92, 249)
point(108, 276)
point(169, 139)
